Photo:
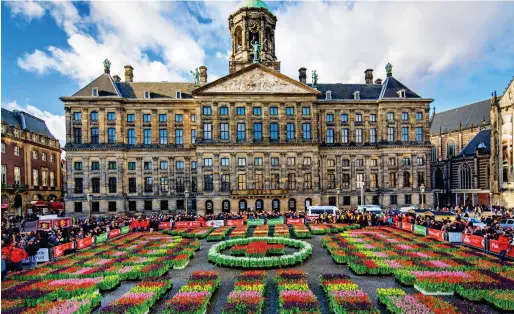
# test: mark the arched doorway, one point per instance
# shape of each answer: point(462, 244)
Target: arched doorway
point(225, 206)
point(439, 179)
point(51, 197)
point(259, 205)
point(37, 197)
point(18, 203)
point(291, 204)
point(209, 208)
point(275, 205)
point(242, 205)
point(308, 202)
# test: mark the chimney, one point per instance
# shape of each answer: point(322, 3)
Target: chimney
point(302, 77)
point(368, 76)
point(116, 78)
point(203, 75)
point(129, 73)
point(378, 81)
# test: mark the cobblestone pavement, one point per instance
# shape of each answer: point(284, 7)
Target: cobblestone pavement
point(320, 262)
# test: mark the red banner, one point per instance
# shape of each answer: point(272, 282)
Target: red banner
point(473, 240)
point(62, 222)
point(239, 222)
point(495, 247)
point(59, 250)
point(114, 233)
point(83, 243)
point(407, 226)
point(165, 225)
point(188, 224)
point(44, 224)
point(294, 221)
point(436, 234)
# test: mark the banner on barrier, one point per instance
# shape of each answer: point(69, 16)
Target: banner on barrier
point(187, 224)
point(235, 222)
point(436, 234)
point(407, 226)
point(44, 224)
point(420, 230)
point(165, 225)
point(41, 256)
point(125, 230)
point(83, 243)
point(474, 240)
point(114, 233)
point(294, 221)
point(62, 222)
point(59, 249)
point(255, 222)
point(495, 247)
point(101, 237)
point(275, 221)
point(214, 223)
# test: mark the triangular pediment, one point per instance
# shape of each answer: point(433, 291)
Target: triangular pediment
point(256, 79)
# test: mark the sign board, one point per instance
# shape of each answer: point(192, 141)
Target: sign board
point(406, 226)
point(84, 243)
point(214, 223)
point(125, 230)
point(41, 256)
point(62, 222)
point(45, 224)
point(474, 240)
point(436, 234)
point(294, 221)
point(59, 249)
point(114, 233)
point(101, 237)
point(255, 222)
point(165, 225)
point(187, 224)
point(275, 221)
point(238, 222)
point(420, 230)
point(495, 247)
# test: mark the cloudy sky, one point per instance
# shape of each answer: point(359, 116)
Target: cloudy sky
point(454, 52)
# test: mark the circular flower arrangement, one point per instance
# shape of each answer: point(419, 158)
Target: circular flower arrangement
point(259, 252)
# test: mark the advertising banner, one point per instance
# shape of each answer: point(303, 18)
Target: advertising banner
point(187, 224)
point(84, 243)
point(125, 230)
point(494, 247)
point(165, 225)
point(101, 237)
point(255, 222)
point(275, 221)
point(294, 221)
point(238, 222)
point(114, 233)
point(41, 256)
point(473, 240)
point(44, 224)
point(62, 222)
point(436, 234)
point(406, 226)
point(59, 249)
point(214, 223)
point(420, 230)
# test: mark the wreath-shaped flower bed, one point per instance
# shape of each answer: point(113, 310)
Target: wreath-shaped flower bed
point(264, 258)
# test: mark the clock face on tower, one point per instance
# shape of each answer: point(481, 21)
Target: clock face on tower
point(253, 26)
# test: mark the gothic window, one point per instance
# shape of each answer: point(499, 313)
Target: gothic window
point(450, 149)
point(465, 177)
point(434, 153)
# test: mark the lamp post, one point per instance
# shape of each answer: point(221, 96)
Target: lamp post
point(186, 194)
point(422, 190)
point(491, 201)
point(89, 201)
point(338, 193)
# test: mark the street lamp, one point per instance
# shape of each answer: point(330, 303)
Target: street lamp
point(186, 194)
point(338, 193)
point(89, 201)
point(422, 190)
point(491, 201)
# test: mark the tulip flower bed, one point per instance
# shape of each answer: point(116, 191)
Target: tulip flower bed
point(219, 234)
point(344, 296)
point(257, 257)
point(195, 295)
point(294, 295)
point(336, 228)
point(319, 229)
point(248, 294)
point(239, 232)
point(197, 232)
point(261, 231)
point(301, 232)
point(281, 230)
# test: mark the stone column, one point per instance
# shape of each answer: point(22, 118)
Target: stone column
point(233, 172)
point(102, 121)
point(283, 170)
point(171, 176)
point(216, 173)
point(155, 127)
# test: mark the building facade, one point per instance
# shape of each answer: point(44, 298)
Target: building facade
point(252, 140)
point(31, 163)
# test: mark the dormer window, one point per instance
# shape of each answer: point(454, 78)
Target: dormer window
point(95, 92)
point(147, 94)
point(179, 94)
point(328, 95)
point(401, 93)
point(357, 95)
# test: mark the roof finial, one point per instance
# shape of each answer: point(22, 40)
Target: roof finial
point(389, 69)
point(107, 66)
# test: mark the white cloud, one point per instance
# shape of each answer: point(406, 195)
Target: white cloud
point(27, 9)
point(55, 123)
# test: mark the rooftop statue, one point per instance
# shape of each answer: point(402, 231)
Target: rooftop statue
point(107, 66)
point(314, 78)
point(196, 76)
point(257, 50)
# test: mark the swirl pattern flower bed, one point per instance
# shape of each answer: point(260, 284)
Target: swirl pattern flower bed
point(257, 251)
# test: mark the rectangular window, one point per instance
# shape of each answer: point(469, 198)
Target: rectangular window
point(275, 161)
point(241, 182)
point(95, 184)
point(257, 132)
point(111, 165)
point(291, 161)
point(94, 136)
point(419, 116)
point(77, 116)
point(224, 132)
point(112, 185)
point(358, 117)
point(163, 165)
point(390, 134)
point(207, 179)
point(259, 181)
point(112, 206)
point(421, 178)
point(178, 118)
point(408, 199)
point(78, 207)
point(179, 138)
point(392, 161)
point(131, 137)
point(360, 177)
point(193, 136)
point(405, 134)
point(374, 162)
point(420, 161)
point(147, 165)
point(373, 135)
point(390, 116)
point(225, 183)
point(44, 177)
point(147, 118)
point(330, 136)
point(290, 131)
point(207, 162)
point(406, 161)
point(241, 162)
point(164, 205)
point(373, 117)
point(225, 162)
point(131, 117)
point(17, 176)
point(147, 136)
point(111, 135)
point(77, 165)
point(331, 163)
point(206, 110)
point(132, 206)
point(163, 117)
point(346, 163)
point(419, 134)
point(131, 165)
point(163, 137)
point(179, 185)
point(77, 135)
point(148, 184)
point(132, 185)
point(35, 177)
point(223, 111)
point(193, 118)
point(193, 165)
point(307, 161)
point(405, 116)
point(393, 200)
point(306, 111)
point(258, 161)
point(164, 183)
point(94, 116)
point(306, 128)
point(346, 181)
point(148, 205)
point(331, 180)
point(207, 131)
point(4, 174)
point(78, 186)
point(240, 111)
point(358, 136)
point(344, 136)
point(241, 132)
point(17, 152)
point(344, 118)
point(290, 111)
point(273, 111)
point(291, 181)
point(330, 117)
point(111, 116)
point(273, 130)
point(373, 180)
point(257, 111)
point(359, 162)
point(275, 181)
point(43, 156)
point(307, 181)
point(179, 164)
point(95, 165)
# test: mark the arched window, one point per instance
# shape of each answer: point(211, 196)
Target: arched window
point(450, 149)
point(439, 179)
point(308, 202)
point(433, 155)
point(238, 39)
point(292, 204)
point(275, 205)
point(209, 208)
point(259, 205)
point(242, 205)
point(226, 206)
point(465, 177)
point(406, 179)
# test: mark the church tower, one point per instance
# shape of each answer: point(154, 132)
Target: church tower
point(252, 29)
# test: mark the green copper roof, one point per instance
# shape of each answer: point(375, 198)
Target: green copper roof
point(254, 4)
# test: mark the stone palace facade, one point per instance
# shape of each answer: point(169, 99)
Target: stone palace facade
point(252, 140)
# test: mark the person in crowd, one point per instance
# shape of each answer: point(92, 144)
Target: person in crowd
point(504, 243)
point(32, 249)
point(18, 254)
point(5, 268)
